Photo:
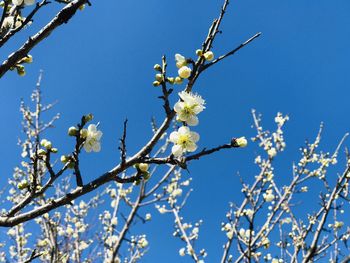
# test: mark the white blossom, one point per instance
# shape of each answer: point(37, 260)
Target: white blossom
point(184, 141)
point(92, 141)
point(188, 108)
point(148, 217)
point(269, 196)
point(272, 152)
point(143, 242)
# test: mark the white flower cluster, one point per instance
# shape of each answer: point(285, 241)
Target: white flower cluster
point(187, 109)
point(92, 138)
point(181, 63)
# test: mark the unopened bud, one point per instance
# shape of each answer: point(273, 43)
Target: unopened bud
point(199, 52)
point(209, 55)
point(20, 70)
point(72, 131)
point(64, 159)
point(159, 77)
point(184, 72)
point(88, 117)
point(157, 67)
point(54, 150)
point(171, 80)
point(240, 142)
point(178, 80)
point(41, 152)
point(143, 167)
point(27, 59)
point(156, 83)
point(22, 185)
point(46, 144)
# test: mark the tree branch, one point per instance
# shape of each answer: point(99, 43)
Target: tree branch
point(62, 17)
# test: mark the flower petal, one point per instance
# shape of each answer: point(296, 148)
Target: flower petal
point(191, 147)
point(92, 128)
point(177, 150)
point(96, 147)
point(87, 147)
point(178, 107)
point(183, 130)
point(195, 137)
point(192, 120)
point(98, 135)
point(174, 136)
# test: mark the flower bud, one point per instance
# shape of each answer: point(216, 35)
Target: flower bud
point(143, 167)
point(41, 152)
point(148, 217)
point(23, 184)
point(199, 52)
point(178, 80)
point(184, 72)
point(72, 131)
point(88, 117)
point(159, 77)
point(54, 150)
point(20, 70)
point(157, 67)
point(64, 159)
point(27, 59)
point(46, 144)
point(209, 55)
point(171, 80)
point(156, 83)
point(240, 142)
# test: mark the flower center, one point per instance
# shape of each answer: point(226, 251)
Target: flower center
point(189, 110)
point(183, 140)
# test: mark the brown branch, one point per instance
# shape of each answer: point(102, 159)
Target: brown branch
point(197, 156)
point(6, 4)
point(230, 53)
point(339, 186)
point(127, 224)
point(122, 146)
point(28, 19)
point(9, 221)
point(62, 17)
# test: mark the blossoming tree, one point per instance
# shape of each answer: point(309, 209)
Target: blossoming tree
point(43, 195)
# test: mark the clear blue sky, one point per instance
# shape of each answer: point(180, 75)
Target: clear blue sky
point(102, 62)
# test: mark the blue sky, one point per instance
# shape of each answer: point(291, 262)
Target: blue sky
point(102, 62)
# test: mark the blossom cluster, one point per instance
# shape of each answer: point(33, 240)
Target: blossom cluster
point(187, 109)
